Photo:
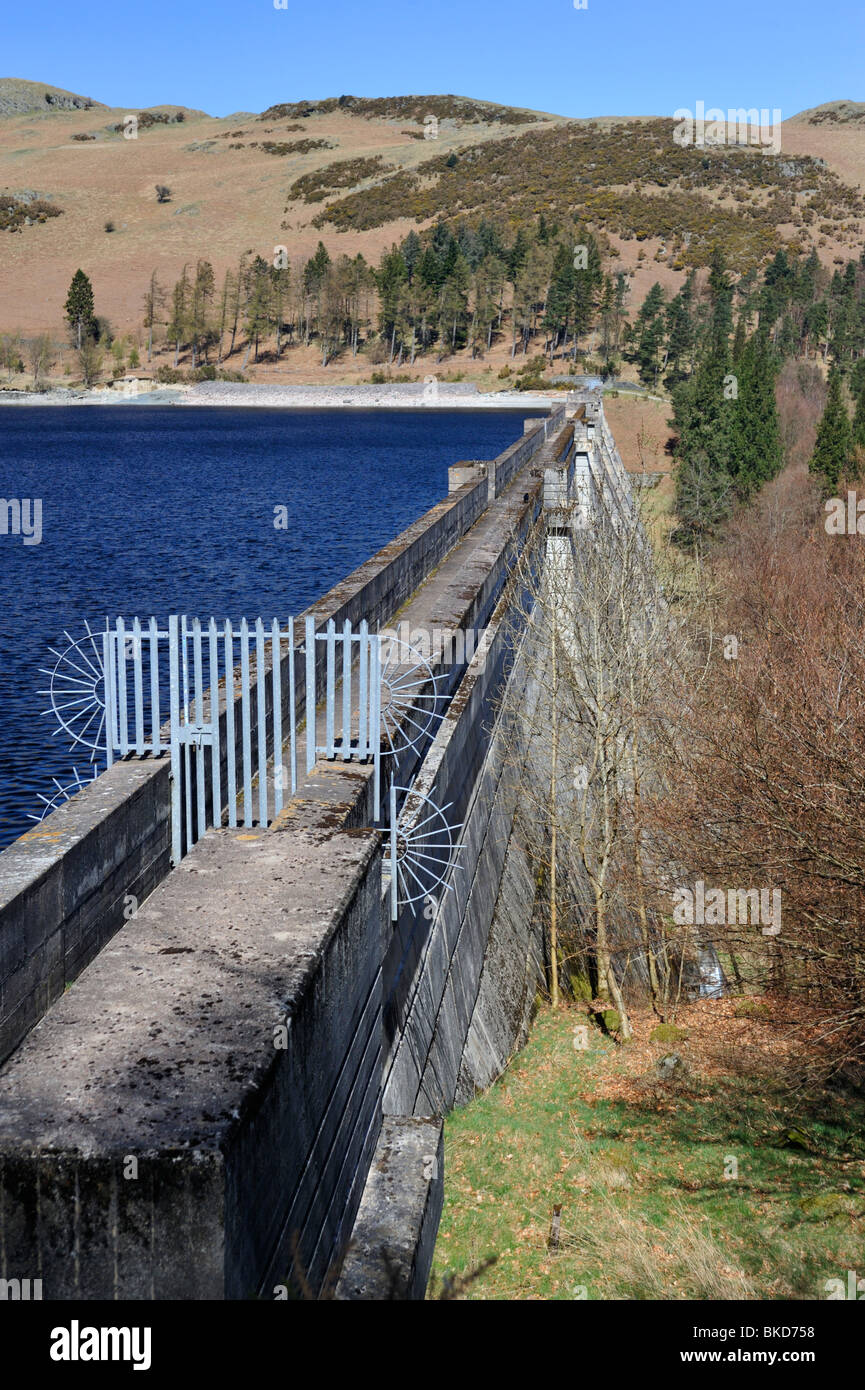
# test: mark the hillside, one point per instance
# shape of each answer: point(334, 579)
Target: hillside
point(360, 173)
point(19, 97)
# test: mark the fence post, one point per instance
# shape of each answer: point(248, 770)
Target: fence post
point(108, 694)
point(276, 677)
point(394, 905)
point(375, 717)
point(292, 707)
point(215, 752)
point(174, 682)
point(310, 694)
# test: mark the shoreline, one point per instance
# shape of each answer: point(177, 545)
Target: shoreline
point(398, 396)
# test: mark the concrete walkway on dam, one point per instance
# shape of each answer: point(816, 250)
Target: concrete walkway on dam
point(196, 1117)
point(453, 600)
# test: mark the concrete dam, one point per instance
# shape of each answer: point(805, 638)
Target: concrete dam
point(227, 1042)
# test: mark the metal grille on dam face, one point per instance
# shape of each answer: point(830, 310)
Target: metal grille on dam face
point(238, 697)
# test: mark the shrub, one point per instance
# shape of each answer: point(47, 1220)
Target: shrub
point(16, 213)
point(532, 366)
point(285, 147)
point(174, 376)
point(602, 176)
point(344, 173)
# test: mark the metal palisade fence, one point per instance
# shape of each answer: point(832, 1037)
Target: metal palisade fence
point(236, 699)
point(234, 712)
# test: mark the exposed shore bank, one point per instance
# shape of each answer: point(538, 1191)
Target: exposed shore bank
point(393, 396)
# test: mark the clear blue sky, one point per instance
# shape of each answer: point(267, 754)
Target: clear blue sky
point(617, 57)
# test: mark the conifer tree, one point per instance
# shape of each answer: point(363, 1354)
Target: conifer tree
point(203, 289)
point(681, 334)
point(755, 438)
point(79, 307)
point(154, 302)
point(703, 416)
point(178, 325)
point(649, 334)
point(833, 450)
point(259, 303)
point(587, 282)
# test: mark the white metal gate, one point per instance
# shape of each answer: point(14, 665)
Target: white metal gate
point(232, 731)
point(234, 707)
point(227, 718)
point(232, 700)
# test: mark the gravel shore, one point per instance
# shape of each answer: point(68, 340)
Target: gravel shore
point(397, 396)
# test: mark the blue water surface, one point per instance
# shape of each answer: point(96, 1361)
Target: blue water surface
point(153, 510)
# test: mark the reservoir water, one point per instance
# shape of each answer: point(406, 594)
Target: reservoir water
point(151, 510)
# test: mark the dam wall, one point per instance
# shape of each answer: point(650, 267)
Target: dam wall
point(70, 883)
point(241, 1095)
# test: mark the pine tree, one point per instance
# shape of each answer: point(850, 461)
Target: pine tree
point(79, 307)
point(316, 268)
point(178, 325)
point(202, 293)
point(703, 416)
point(649, 330)
point(755, 436)
point(259, 303)
point(607, 316)
point(681, 333)
point(390, 278)
point(560, 296)
point(154, 302)
point(739, 339)
point(411, 253)
point(516, 257)
point(833, 450)
point(721, 295)
point(587, 284)
point(704, 498)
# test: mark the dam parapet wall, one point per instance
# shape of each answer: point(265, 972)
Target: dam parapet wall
point(249, 1077)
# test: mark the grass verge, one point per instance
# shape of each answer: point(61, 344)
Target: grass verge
point(715, 1181)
